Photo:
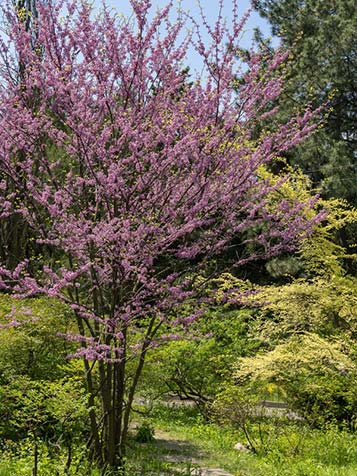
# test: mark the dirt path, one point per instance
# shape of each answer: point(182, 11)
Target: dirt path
point(180, 452)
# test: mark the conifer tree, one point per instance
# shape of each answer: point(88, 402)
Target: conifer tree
point(322, 37)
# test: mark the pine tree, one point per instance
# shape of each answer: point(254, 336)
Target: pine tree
point(321, 37)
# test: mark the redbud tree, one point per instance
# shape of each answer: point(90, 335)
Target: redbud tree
point(132, 177)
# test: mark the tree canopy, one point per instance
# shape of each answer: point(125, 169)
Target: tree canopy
point(321, 37)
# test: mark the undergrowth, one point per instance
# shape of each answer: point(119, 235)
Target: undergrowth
point(181, 443)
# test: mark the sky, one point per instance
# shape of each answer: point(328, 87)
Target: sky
point(210, 8)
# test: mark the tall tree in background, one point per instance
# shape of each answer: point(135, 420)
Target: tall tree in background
point(135, 181)
point(322, 37)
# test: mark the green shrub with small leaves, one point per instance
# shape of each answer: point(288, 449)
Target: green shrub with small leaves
point(199, 368)
point(318, 377)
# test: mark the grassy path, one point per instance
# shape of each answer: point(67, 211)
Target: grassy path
point(184, 445)
point(182, 452)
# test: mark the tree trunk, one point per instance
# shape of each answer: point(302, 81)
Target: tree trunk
point(35, 457)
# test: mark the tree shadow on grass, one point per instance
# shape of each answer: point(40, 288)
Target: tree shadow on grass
point(175, 450)
point(165, 456)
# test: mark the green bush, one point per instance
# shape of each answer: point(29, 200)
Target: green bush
point(317, 376)
point(198, 369)
point(145, 433)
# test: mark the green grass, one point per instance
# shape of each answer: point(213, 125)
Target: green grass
point(184, 442)
point(287, 449)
